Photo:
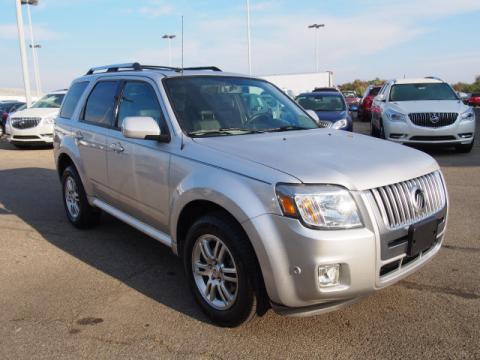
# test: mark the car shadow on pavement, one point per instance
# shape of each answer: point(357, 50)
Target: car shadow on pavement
point(112, 247)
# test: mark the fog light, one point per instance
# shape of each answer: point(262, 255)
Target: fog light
point(328, 275)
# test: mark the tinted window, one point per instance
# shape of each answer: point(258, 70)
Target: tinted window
point(325, 102)
point(374, 91)
point(101, 102)
point(49, 101)
point(139, 99)
point(71, 99)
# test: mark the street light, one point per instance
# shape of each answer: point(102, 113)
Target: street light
point(249, 51)
point(36, 69)
point(316, 27)
point(23, 52)
point(169, 38)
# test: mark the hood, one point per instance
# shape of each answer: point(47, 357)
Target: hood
point(436, 106)
point(36, 112)
point(331, 115)
point(325, 156)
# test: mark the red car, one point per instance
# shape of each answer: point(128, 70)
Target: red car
point(474, 99)
point(365, 108)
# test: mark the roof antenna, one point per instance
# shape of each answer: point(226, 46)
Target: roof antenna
point(182, 45)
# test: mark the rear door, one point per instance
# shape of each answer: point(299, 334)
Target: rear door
point(138, 169)
point(96, 121)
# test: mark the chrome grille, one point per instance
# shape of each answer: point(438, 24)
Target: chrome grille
point(25, 122)
point(433, 120)
point(324, 123)
point(399, 206)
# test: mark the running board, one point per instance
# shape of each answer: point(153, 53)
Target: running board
point(137, 224)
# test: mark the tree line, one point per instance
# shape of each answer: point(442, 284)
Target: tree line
point(359, 86)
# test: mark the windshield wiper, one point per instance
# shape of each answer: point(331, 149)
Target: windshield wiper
point(286, 128)
point(223, 131)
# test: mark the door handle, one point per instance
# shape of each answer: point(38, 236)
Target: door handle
point(117, 147)
point(78, 136)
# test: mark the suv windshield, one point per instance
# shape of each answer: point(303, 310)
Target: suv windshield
point(322, 102)
point(215, 106)
point(49, 101)
point(426, 91)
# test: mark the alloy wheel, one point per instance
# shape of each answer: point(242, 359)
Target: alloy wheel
point(215, 272)
point(72, 198)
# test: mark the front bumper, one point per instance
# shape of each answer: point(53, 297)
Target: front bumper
point(40, 134)
point(461, 132)
point(284, 246)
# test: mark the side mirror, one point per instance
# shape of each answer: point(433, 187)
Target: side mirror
point(144, 128)
point(313, 115)
point(380, 97)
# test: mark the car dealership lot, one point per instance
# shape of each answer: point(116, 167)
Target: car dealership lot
point(112, 292)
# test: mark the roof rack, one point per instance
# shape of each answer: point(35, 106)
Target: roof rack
point(138, 67)
point(434, 78)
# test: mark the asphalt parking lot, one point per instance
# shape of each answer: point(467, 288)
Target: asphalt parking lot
point(112, 292)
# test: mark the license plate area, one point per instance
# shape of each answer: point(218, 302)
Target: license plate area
point(421, 236)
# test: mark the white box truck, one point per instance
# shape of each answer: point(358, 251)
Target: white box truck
point(294, 84)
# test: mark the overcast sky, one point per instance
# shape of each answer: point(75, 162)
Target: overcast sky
point(361, 39)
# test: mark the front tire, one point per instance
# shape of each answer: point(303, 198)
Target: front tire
point(219, 264)
point(79, 212)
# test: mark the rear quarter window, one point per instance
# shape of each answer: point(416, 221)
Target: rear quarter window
point(71, 99)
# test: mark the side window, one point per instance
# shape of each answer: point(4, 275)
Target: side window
point(139, 99)
point(71, 99)
point(101, 103)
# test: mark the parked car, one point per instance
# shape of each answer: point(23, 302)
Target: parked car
point(7, 107)
point(423, 111)
point(365, 107)
point(352, 100)
point(474, 99)
point(330, 107)
point(34, 126)
point(264, 207)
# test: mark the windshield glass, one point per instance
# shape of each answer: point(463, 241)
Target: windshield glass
point(49, 101)
point(322, 102)
point(214, 106)
point(416, 92)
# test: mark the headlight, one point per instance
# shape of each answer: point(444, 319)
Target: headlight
point(319, 206)
point(468, 115)
point(49, 120)
point(340, 124)
point(395, 115)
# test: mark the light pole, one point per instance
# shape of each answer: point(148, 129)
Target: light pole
point(316, 27)
point(33, 46)
point(23, 52)
point(249, 51)
point(169, 38)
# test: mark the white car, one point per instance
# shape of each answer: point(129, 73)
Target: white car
point(34, 125)
point(423, 111)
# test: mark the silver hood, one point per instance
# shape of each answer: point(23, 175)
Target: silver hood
point(454, 106)
point(325, 156)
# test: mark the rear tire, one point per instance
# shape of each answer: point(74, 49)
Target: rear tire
point(79, 212)
point(234, 299)
point(464, 148)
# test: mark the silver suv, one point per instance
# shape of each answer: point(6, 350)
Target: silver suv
point(265, 208)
